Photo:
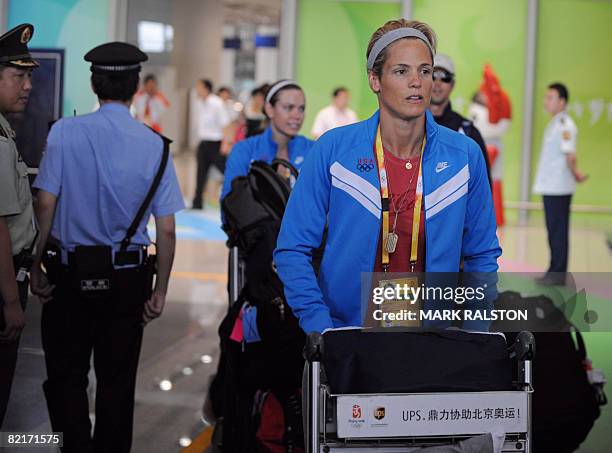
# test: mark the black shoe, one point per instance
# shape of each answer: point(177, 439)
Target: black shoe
point(196, 204)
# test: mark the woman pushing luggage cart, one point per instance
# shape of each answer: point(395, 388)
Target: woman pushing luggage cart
point(405, 199)
point(398, 192)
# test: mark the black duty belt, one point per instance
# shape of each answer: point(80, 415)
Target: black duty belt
point(127, 258)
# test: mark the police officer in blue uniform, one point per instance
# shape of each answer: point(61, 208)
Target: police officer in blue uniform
point(17, 228)
point(95, 177)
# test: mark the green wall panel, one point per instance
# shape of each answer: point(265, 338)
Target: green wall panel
point(332, 38)
point(477, 32)
point(574, 47)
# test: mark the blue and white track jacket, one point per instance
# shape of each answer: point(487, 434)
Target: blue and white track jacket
point(261, 147)
point(339, 184)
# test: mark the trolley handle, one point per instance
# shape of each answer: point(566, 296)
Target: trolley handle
point(313, 349)
point(524, 346)
point(523, 350)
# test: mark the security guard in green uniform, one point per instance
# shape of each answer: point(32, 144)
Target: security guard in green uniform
point(101, 177)
point(17, 228)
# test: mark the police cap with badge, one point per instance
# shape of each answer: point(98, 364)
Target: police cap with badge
point(117, 58)
point(14, 47)
point(14, 53)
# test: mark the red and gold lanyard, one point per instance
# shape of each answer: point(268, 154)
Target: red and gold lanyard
point(389, 240)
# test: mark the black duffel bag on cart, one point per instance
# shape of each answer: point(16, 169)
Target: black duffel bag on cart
point(415, 362)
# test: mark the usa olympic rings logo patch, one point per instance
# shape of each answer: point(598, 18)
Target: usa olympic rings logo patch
point(365, 165)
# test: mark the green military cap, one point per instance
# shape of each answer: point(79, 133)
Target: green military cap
point(13, 47)
point(115, 58)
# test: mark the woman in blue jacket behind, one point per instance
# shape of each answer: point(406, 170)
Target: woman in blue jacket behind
point(380, 183)
point(284, 106)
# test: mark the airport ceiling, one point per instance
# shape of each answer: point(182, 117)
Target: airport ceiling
point(259, 12)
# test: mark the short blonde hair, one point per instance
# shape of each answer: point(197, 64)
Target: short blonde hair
point(394, 25)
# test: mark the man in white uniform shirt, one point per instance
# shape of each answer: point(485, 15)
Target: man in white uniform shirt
point(556, 180)
point(335, 115)
point(211, 118)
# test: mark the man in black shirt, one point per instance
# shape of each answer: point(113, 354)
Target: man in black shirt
point(444, 82)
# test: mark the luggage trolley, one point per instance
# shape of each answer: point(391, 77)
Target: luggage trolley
point(400, 421)
point(261, 197)
point(236, 277)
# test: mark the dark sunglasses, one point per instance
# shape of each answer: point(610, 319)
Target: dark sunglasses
point(443, 76)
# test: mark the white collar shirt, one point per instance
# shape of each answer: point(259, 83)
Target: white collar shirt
point(212, 117)
point(331, 117)
point(554, 176)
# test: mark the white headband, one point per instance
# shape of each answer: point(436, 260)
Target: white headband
point(277, 87)
point(393, 36)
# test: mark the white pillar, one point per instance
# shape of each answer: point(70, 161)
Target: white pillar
point(528, 105)
point(197, 44)
point(266, 57)
point(117, 20)
point(287, 39)
point(407, 9)
point(196, 52)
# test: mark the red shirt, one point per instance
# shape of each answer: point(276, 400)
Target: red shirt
point(399, 178)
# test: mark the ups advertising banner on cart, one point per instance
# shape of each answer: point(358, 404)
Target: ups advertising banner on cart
point(432, 414)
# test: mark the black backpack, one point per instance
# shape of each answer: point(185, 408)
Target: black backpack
point(255, 201)
point(565, 403)
point(252, 213)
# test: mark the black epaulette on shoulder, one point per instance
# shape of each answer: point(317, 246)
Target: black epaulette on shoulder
point(163, 137)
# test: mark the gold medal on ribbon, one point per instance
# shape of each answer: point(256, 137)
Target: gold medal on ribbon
point(391, 244)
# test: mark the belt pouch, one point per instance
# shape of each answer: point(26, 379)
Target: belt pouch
point(91, 269)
